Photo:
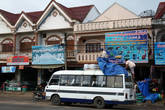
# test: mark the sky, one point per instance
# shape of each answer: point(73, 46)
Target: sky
point(136, 6)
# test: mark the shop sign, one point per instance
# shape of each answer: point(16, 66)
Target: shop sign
point(8, 69)
point(18, 60)
point(160, 53)
point(131, 45)
point(45, 55)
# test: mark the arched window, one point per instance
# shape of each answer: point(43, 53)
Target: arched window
point(70, 43)
point(26, 45)
point(7, 45)
point(52, 40)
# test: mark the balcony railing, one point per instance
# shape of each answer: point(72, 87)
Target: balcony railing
point(115, 24)
point(28, 54)
point(5, 55)
point(87, 57)
point(70, 53)
point(158, 21)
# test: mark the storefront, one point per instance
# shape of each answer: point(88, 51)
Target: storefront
point(132, 45)
point(158, 69)
point(47, 60)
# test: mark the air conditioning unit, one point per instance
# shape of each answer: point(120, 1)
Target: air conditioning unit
point(91, 66)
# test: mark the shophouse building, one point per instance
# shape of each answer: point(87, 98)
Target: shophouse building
point(19, 32)
point(158, 67)
point(117, 19)
point(83, 32)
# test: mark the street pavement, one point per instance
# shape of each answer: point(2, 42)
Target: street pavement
point(24, 99)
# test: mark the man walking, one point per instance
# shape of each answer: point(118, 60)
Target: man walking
point(130, 65)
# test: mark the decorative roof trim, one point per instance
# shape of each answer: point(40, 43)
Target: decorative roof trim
point(48, 8)
point(23, 16)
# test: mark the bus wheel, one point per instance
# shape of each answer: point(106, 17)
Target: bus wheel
point(55, 100)
point(99, 102)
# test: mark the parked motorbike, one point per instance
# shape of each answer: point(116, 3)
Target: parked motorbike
point(39, 93)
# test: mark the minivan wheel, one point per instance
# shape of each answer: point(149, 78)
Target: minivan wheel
point(99, 102)
point(55, 100)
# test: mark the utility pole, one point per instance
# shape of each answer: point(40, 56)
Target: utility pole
point(65, 50)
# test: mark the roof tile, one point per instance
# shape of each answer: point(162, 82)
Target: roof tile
point(10, 17)
point(160, 10)
point(76, 13)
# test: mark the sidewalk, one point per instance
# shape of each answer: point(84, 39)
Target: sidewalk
point(12, 93)
point(19, 98)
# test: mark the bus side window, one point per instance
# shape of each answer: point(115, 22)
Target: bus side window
point(63, 81)
point(55, 80)
point(78, 80)
point(94, 81)
point(118, 82)
point(111, 81)
point(101, 81)
point(71, 80)
point(86, 81)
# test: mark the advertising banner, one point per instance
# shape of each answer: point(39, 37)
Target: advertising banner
point(45, 55)
point(159, 53)
point(8, 69)
point(131, 45)
point(18, 60)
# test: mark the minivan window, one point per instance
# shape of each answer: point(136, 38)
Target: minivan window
point(55, 80)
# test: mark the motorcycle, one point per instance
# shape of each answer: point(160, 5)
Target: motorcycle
point(38, 94)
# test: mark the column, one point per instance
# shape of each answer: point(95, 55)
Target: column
point(18, 76)
point(36, 37)
point(39, 76)
point(14, 43)
point(76, 45)
point(65, 49)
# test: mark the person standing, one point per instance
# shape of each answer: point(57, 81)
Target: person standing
point(104, 54)
point(130, 65)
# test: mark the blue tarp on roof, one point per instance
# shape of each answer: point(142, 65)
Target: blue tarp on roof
point(109, 68)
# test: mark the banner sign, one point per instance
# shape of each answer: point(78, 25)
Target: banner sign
point(42, 55)
point(159, 53)
point(8, 69)
point(18, 60)
point(131, 45)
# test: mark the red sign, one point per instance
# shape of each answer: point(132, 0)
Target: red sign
point(18, 60)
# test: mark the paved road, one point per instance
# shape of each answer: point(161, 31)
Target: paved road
point(5, 106)
point(24, 102)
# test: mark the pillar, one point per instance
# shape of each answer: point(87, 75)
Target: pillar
point(65, 50)
point(39, 76)
point(18, 76)
point(14, 43)
point(76, 45)
point(36, 37)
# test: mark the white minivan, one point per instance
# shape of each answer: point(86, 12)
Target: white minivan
point(89, 86)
